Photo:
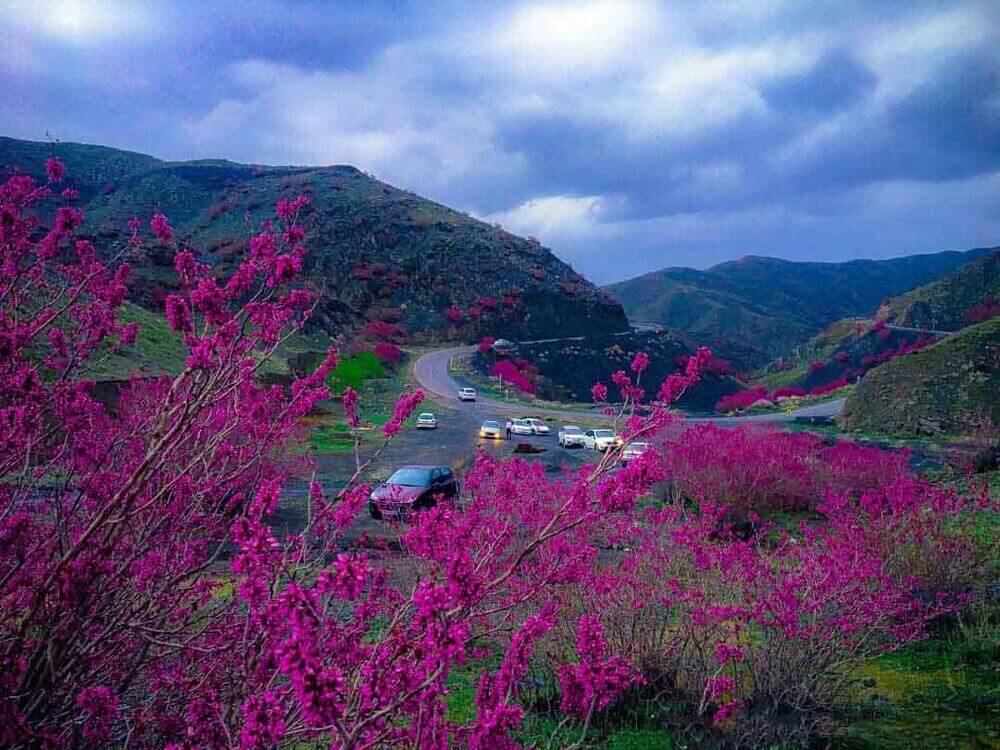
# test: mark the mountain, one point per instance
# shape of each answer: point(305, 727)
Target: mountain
point(951, 302)
point(769, 305)
point(375, 252)
point(948, 388)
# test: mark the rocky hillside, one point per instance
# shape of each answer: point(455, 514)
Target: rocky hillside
point(567, 369)
point(771, 304)
point(377, 253)
point(949, 388)
point(969, 295)
point(844, 350)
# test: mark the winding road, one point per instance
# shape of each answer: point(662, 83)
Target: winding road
point(433, 373)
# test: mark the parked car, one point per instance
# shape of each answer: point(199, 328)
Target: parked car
point(518, 427)
point(490, 429)
point(466, 394)
point(538, 426)
point(600, 440)
point(412, 488)
point(427, 421)
point(633, 450)
point(570, 435)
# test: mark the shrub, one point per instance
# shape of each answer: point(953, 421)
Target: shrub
point(511, 375)
point(387, 354)
point(741, 399)
point(983, 311)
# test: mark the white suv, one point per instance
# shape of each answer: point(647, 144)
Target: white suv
point(600, 440)
point(570, 435)
point(466, 394)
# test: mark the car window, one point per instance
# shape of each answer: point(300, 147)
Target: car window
point(410, 476)
point(490, 424)
point(589, 433)
point(571, 430)
point(603, 433)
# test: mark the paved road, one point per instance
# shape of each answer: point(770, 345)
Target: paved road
point(431, 371)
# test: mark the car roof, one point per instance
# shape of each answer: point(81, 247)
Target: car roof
point(490, 421)
point(423, 466)
point(570, 427)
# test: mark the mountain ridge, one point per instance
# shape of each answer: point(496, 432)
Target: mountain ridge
point(378, 255)
point(772, 303)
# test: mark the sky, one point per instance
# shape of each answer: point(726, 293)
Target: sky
point(626, 135)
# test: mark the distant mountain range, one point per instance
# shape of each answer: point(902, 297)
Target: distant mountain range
point(376, 252)
point(756, 308)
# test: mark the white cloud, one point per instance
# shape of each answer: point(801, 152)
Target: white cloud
point(553, 215)
point(81, 21)
point(557, 39)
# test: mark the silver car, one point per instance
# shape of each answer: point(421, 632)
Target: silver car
point(491, 430)
point(427, 421)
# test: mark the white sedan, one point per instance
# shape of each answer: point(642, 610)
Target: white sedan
point(600, 440)
point(519, 427)
point(538, 426)
point(427, 421)
point(467, 394)
point(633, 450)
point(491, 429)
point(570, 435)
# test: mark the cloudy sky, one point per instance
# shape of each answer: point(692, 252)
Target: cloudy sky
point(626, 135)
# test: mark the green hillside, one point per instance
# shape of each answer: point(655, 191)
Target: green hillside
point(949, 303)
point(375, 251)
point(771, 304)
point(949, 388)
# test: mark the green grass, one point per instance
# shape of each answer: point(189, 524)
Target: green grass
point(354, 371)
point(943, 692)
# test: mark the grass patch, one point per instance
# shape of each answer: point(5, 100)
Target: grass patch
point(943, 692)
point(354, 371)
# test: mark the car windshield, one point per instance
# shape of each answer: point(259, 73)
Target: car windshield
point(491, 426)
point(571, 430)
point(411, 476)
point(603, 433)
point(639, 446)
point(522, 423)
point(426, 415)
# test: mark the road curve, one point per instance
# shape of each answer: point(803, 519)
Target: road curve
point(432, 372)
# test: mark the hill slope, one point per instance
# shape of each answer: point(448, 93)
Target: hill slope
point(949, 303)
point(375, 251)
point(773, 304)
point(948, 388)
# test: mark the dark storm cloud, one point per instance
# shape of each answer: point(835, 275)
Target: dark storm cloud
point(627, 134)
point(834, 82)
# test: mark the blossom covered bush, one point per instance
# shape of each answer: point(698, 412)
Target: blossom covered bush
point(146, 600)
point(512, 375)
